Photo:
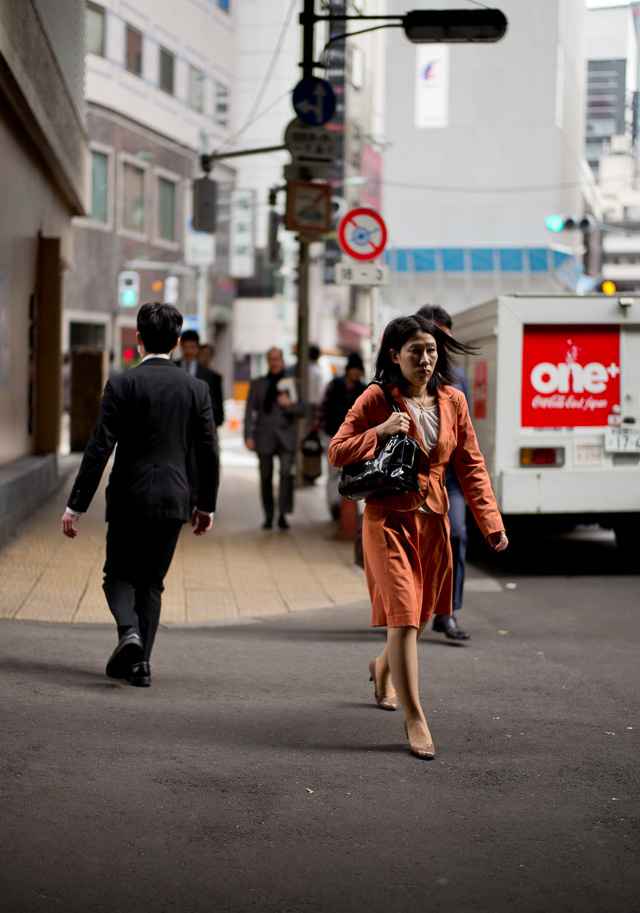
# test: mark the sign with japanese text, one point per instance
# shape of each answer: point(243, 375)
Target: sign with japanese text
point(570, 375)
point(241, 234)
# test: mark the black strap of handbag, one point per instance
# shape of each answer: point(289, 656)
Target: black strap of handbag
point(388, 396)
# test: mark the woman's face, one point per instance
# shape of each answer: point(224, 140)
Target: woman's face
point(417, 358)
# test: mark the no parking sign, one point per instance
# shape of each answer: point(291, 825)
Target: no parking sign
point(362, 234)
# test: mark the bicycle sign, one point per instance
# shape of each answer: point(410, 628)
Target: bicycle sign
point(362, 234)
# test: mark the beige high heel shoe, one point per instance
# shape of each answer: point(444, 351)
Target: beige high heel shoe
point(427, 753)
point(385, 703)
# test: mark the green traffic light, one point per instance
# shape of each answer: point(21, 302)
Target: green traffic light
point(555, 223)
point(128, 297)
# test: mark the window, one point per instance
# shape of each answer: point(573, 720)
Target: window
point(166, 210)
point(166, 71)
point(196, 88)
point(222, 105)
point(99, 186)
point(133, 60)
point(132, 197)
point(224, 5)
point(95, 29)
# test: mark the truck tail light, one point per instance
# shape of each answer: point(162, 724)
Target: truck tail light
point(542, 456)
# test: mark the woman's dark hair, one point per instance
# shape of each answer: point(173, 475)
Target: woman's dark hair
point(397, 333)
point(159, 325)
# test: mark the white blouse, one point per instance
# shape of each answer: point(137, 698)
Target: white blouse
point(427, 421)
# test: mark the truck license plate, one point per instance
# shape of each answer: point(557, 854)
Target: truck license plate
point(621, 440)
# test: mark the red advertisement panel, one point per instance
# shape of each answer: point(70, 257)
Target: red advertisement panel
point(480, 371)
point(570, 375)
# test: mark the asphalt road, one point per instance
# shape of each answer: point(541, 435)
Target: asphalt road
point(257, 774)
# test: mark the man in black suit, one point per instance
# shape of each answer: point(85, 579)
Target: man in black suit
point(190, 347)
point(156, 414)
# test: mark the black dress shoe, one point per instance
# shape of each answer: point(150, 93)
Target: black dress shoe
point(282, 522)
point(128, 652)
point(140, 675)
point(446, 624)
point(268, 523)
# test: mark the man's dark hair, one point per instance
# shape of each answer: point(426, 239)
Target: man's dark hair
point(314, 352)
point(397, 333)
point(190, 336)
point(159, 325)
point(436, 314)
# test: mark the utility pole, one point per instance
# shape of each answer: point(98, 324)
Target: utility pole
point(307, 20)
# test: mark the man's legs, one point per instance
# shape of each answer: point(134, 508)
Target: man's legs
point(458, 538)
point(139, 553)
point(160, 539)
point(266, 485)
point(287, 480)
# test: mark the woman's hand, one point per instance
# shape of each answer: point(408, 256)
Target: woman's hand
point(397, 422)
point(498, 541)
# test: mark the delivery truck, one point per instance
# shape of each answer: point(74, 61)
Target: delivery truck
point(555, 400)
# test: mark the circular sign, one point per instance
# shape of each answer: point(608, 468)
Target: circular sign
point(362, 234)
point(314, 101)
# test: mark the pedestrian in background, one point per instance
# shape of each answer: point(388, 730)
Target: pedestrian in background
point(339, 397)
point(316, 385)
point(273, 405)
point(205, 355)
point(407, 554)
point(154, 413)
point(190, 349)
point(443, 624)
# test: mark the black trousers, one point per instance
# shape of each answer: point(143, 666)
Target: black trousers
point(139, 554)
point(287, 478)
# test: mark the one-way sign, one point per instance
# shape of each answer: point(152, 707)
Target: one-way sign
point(310, 144)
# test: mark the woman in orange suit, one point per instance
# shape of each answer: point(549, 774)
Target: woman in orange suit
point(406, 536)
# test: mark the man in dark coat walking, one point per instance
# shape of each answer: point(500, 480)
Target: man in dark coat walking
point(190, 348)
point(156, 414)
point(273, 405)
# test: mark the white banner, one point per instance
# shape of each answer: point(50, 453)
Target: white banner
point(432, 86)
point(241, 234)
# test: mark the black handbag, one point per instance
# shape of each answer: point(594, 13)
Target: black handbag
point(394, 468)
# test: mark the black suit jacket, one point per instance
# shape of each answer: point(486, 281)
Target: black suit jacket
point(155, 413)
point(214, 382)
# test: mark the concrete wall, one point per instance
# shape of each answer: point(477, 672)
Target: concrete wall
point(31, 205)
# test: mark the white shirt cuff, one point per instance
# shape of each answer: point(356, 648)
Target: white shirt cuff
point(74, 513)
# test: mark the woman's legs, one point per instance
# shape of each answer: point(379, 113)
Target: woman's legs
point(402, 659)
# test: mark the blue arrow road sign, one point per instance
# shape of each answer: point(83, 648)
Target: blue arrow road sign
point(314, 101)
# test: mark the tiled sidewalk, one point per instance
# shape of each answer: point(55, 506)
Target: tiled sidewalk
point(235, 571)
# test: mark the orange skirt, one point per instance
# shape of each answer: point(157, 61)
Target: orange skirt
point(408, 565)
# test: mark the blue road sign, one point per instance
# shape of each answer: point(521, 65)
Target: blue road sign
point(314, 101)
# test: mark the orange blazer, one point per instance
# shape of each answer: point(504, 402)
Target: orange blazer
point(357, 440)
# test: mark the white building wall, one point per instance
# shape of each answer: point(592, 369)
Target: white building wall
point(513, 143)
point(200, 35)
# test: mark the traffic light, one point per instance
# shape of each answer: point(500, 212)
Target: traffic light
point(557, 223)
point(434, 26)
point(608, 287)
point(205, 199)
point(128, 289)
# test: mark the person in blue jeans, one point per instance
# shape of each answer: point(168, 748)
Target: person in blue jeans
point(448, 625)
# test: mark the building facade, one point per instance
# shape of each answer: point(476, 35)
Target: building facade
point(42, 186)
point(160, 90)
point(485, 142)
